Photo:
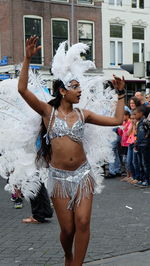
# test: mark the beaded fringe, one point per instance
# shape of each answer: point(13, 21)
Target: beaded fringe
point(75, 191)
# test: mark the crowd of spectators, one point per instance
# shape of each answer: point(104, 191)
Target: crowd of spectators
point(132, 146)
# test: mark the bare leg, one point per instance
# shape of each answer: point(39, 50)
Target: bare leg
point(66, 221)
point(82, 235)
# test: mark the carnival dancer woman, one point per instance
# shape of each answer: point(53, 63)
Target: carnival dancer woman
point(71, 182)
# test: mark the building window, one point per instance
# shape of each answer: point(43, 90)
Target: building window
point(138, 44)
point(138, 52)
point(116, 31)
point(115, 2)
point(138, 3)
point(85, 33)
point(87, 2)
point(138, 33)
point(59, 33)
point(60, 0)
point(116, 45)
point(33, 26)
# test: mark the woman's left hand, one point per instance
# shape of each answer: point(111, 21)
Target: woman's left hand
point(118, 83)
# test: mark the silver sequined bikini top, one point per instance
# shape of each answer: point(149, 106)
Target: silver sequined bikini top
point(60, 128)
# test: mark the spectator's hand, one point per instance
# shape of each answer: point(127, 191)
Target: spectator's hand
point(133, 122)
point(118, 83)
point(31, 46)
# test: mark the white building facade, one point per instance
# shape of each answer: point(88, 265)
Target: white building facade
point(126, 37)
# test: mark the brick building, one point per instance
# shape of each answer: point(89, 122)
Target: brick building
point(54, 22)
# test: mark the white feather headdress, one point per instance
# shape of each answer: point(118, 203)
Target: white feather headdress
point(68, 66)
point(20, 125)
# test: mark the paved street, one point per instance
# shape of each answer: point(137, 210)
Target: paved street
point(120, 226)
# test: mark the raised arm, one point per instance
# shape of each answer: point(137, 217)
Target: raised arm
point(31, 49)
point(93, 118)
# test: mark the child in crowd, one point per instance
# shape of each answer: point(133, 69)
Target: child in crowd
point(16, 196)
point(123, 132)
point(132, 159)
point(147, 100)
point(18, 203)
point(143, 145)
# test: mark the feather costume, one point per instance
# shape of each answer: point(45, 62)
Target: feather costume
point(20, 124)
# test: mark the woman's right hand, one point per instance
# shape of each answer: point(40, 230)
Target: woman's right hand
point(31, 46)
point(118, 83)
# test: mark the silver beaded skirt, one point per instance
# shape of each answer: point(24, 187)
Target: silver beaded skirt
point(74, 185)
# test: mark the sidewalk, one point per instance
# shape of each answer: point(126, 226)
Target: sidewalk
point(134, 259)
point(120, 225)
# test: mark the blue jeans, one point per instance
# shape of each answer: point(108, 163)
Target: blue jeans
point(115, 167)
point(130, 164)
point(144, 157)
point(133, 163)
point(136, 164)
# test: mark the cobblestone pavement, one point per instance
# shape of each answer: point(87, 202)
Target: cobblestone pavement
point(120, 225)
point(133, 259)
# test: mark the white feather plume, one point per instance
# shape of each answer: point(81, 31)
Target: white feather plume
point(98, 139)
point(69, 65)
point(20, 124)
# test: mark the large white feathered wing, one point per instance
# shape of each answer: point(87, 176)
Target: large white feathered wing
point(20, 124)
point(98, 139)
point(18, 134)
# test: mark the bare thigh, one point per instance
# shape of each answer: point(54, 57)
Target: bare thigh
point(65, 216)
point(83, 211)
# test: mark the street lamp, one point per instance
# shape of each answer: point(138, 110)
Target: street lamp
point(137, 69)
point(128, 68)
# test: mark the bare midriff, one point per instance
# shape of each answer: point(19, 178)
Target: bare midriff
point(66, 153)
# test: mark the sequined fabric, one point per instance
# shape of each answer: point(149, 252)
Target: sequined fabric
point(60, 128)
point(71, 184)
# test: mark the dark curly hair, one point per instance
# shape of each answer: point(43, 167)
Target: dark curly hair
point(135, 100)
point(45, 150)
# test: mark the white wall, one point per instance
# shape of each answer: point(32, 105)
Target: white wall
point(127, 16)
